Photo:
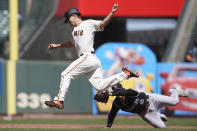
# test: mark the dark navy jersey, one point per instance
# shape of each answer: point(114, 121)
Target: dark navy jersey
point(134, 102)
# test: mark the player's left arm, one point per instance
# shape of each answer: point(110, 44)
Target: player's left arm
point(108, 18)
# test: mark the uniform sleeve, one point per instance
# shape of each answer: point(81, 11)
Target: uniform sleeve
point(96, 25)
point(112, 114)
point(131, 92)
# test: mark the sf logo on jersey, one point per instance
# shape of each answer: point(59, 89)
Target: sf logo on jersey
point(78, 33)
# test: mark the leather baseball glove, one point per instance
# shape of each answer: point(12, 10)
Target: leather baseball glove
point(102, 96)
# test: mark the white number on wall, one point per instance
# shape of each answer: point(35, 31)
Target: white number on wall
point(23, 100)
point(32, 100)
point(44, 97)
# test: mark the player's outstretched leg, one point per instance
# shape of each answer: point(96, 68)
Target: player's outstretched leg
point(129, 72)
point(55, 103)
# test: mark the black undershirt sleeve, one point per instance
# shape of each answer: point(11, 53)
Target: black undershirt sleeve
point(123, 92)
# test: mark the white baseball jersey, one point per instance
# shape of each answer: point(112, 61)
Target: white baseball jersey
point(83, 35)
point(87, 64)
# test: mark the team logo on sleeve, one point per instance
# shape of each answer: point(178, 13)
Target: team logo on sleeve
point(78, 33)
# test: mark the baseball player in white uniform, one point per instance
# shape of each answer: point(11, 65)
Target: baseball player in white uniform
point(87, 64)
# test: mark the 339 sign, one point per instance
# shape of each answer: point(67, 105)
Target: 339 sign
point(32, 100)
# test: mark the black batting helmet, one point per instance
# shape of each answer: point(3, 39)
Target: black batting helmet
point(69, 12)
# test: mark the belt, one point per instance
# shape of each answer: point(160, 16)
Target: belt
point(92, 52)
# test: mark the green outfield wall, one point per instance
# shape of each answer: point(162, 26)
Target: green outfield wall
point(38, 81)
point(3, 91)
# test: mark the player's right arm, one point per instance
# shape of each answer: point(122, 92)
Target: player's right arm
point(69, 44)
point(112, 114)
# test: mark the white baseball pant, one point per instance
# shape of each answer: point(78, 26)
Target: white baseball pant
point(88, 65)
point(156, 101)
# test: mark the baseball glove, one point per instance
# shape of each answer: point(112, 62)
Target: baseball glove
point(102, 96)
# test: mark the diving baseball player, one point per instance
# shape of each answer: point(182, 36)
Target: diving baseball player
point(146, 105)
point(87, 64)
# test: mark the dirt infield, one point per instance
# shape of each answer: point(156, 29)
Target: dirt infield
point(76, 126)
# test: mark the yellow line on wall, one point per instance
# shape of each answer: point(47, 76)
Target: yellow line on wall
point(11, 87)
point(13, 7)
point(13, 57)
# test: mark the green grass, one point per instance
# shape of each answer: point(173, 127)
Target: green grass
point(74, 121)
point(20, 129)
point(118, 121)
point(182, 121)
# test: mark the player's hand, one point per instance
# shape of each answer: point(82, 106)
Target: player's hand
point(115, 7)
point(52, 46)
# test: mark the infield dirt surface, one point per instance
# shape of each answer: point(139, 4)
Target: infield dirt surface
point(75, 126)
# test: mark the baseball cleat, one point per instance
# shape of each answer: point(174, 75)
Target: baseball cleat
point(55, 103)
point(129, 72)
point(181, 93)
point(163, 117)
